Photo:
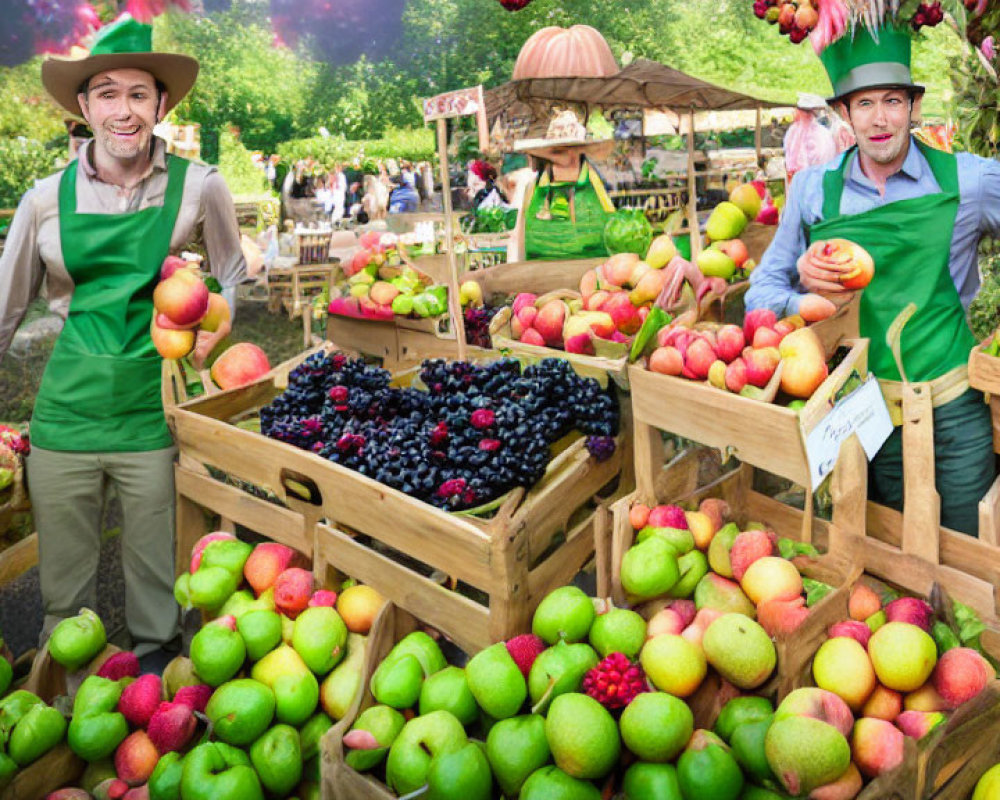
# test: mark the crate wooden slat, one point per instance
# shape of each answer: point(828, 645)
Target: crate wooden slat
point(506, 557)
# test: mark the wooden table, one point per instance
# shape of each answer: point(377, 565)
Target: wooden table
point(293, 289)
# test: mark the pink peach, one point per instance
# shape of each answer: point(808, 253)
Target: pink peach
point(876, 746)
point(140, 699)
point(782, 617)
point(267, 561)
point(747, 548)
point(241, 364)
point(863, 602)
point(960, 674)
point(884, 703)
point(917, 724)
point(910, 609)
point(292, 590)
point(852, 629)
point(669, 516)
point(638, 515)
point(135, 758)
point(846, 787)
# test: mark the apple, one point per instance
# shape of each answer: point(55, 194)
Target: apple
point(804, 363)
point(666, 361)
point(761, 364)
point(736, 250)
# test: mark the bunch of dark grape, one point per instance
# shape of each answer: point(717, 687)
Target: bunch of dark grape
point(477, 325)
point(927, 14)
point(476, 432)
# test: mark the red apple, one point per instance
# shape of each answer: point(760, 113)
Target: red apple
point(736, 250)
point(766, 337)
point(759, 317)
point(761, 364)
point(666, 361)
point(730, 342)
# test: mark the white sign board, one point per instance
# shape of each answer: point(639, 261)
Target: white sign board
point(862, 412)
point(460, 103)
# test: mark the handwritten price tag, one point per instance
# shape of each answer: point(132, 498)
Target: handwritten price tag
point(862, 412)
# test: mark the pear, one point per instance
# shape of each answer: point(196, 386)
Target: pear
point(620, 630)
point(384, 724)
point(261, 631)
point(718, 550)
point(295, 688)
point(558, 670)
point(320, 636)
point(565, 613)
point(460, 775)
point(496, 681)
point(516, 747)
point(650, 569)
point(583, 736)
point(681, 540)
point(342, 685)
point(551, 783)
point(448, 690)
point(421, 740)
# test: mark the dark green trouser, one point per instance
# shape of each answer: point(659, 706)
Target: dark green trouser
point(964, 462)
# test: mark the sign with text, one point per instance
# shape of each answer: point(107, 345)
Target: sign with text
point(460, 103)
point(862, 412)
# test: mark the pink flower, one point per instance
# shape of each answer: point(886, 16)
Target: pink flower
point(988, 49)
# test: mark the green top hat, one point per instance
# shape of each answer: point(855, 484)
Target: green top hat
point(867, 61)
point(125, 43)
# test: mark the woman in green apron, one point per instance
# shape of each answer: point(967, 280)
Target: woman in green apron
point(103, 227)
point(564, 210)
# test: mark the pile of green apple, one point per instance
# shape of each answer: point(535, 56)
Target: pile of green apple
point(545, 715)
point(366, 295)
point(268, 676)
point(29, 728)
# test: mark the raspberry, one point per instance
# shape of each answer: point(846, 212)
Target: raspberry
point(338, 394)
point(439, 435)
point(524, 649)
point(489, 445)
point(615, 682)
point(451, 488)
point(483, 418)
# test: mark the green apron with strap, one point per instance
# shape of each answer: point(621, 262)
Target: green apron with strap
point(101, 388)
point(910, 243)
point(566, 220)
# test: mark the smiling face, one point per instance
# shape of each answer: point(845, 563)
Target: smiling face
point(121, 107)
point(881, 122)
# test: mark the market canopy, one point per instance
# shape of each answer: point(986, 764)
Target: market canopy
point(642, 84)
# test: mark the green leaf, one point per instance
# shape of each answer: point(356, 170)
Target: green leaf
point(815, 591)
point(790, 548)
point(968, 621)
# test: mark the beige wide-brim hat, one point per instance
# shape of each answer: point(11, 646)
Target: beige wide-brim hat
point(565, 130)
point(125, 44)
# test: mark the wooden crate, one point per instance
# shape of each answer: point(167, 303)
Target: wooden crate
point(678, 484)
point(404, 342)
point(768, 436)
point(931, 766)
point(984, 374)
point(508, 557)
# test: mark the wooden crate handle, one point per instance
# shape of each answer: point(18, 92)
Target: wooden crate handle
point(921, 502)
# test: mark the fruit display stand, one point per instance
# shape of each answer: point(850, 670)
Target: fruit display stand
point(534, 541)
point(292, 289)
point(404, 342)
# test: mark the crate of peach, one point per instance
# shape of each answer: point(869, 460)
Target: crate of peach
point(909, 696)
point(595, 322)
point(755, 391)
point(589, 700)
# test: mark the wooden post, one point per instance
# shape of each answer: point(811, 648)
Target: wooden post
point(921, 502)
point(454, 304)
point(756, 137)
point(693, 193)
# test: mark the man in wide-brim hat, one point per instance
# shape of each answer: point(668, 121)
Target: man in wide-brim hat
point(565, 209)
point(96, 233)
point(920, 213)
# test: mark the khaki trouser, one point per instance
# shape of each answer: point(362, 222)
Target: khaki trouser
point(67, 492)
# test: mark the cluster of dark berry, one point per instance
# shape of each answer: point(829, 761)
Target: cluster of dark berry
point(477, 326)
point(929, 14)
point(475, 433)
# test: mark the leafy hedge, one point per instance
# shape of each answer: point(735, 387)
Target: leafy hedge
point(414, 144)
point(235, 164)
point(22, 162)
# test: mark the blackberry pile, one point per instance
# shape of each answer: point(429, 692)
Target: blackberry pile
point(476, 433)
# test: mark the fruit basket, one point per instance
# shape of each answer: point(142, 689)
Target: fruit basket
point(677, 484)
point(13, 488)
point(945, 739)
point(525, 543)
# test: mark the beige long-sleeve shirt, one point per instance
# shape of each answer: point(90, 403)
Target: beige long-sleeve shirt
point(33, 252)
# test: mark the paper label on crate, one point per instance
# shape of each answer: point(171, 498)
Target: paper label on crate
point(863, 412)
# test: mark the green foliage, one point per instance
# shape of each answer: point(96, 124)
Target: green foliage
point(25, 108)
point(22, 162)
point(235, 164)
point(415, 145)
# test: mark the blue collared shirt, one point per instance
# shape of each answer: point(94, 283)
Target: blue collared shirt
point(774, 283)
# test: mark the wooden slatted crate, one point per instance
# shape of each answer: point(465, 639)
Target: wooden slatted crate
point(536, 540)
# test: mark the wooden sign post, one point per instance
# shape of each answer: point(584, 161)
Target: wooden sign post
point(441, 108)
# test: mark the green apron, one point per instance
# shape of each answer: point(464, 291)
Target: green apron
point(101, 388)
point(910, 242)
point(566, 220)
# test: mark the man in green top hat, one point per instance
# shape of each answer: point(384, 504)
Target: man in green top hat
point(96, 234)
point(920, 213)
